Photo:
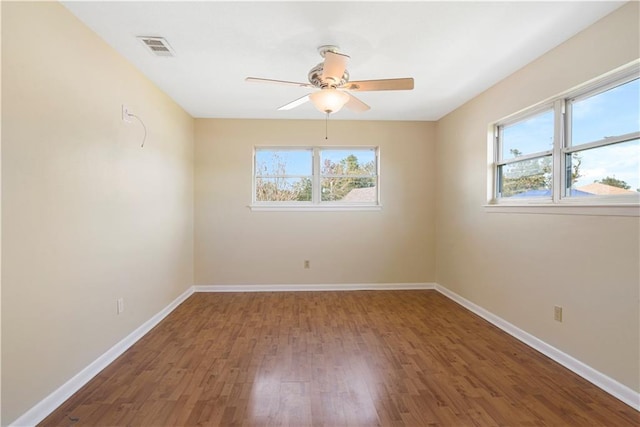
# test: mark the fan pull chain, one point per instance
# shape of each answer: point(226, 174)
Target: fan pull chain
point(326, 125)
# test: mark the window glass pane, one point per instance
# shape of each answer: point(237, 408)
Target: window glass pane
point(283, 162)
point(607, 114)
point(348, 162)
point(610, 170)
point(532, 135)
point(283, 189)
point(527, 178)
point(349, 190)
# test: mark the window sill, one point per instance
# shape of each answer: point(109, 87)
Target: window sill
point(313, 208)
point(621, 209)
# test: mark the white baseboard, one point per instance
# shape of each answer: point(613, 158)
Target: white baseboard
point(608, 384)
point(46, 406)
point(314, 287)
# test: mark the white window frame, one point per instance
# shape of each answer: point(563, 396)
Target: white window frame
point(316, 203)
point(559, 202)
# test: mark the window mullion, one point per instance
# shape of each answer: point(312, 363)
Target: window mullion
point(315, 187)
point(496, 158)
point(254, 173)
point(558, 170)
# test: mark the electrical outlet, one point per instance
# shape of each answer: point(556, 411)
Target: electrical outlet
point(120, 305)
point(557, 313)
point(307, 263)
point(126, 114)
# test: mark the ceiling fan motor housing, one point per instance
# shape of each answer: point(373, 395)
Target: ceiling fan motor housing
point(315, 78)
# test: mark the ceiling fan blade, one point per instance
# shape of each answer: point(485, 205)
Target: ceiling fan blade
point(281, 82)
point(384, 84)
point(294, 104)
point(334, 66)
point(354, 104)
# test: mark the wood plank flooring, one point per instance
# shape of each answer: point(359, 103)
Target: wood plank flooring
point(362, 358)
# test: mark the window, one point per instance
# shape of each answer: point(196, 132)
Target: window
point(316, 177)
point(283, 175)
point(525, 149)
point(580, 148)
point(602, 153)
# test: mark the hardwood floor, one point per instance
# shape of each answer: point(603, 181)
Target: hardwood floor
point(365, 358)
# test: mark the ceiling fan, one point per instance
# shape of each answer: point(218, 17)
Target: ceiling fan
point(332, 79)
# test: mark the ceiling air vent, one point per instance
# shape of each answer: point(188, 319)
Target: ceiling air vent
point(157, 45)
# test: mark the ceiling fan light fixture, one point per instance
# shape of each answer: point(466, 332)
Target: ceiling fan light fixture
point(329, 100)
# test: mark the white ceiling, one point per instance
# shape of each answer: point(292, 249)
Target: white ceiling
point(454, 50)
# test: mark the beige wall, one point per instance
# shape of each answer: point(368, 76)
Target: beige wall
point(235, 245)
point(87, 215)
point(518, 266)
